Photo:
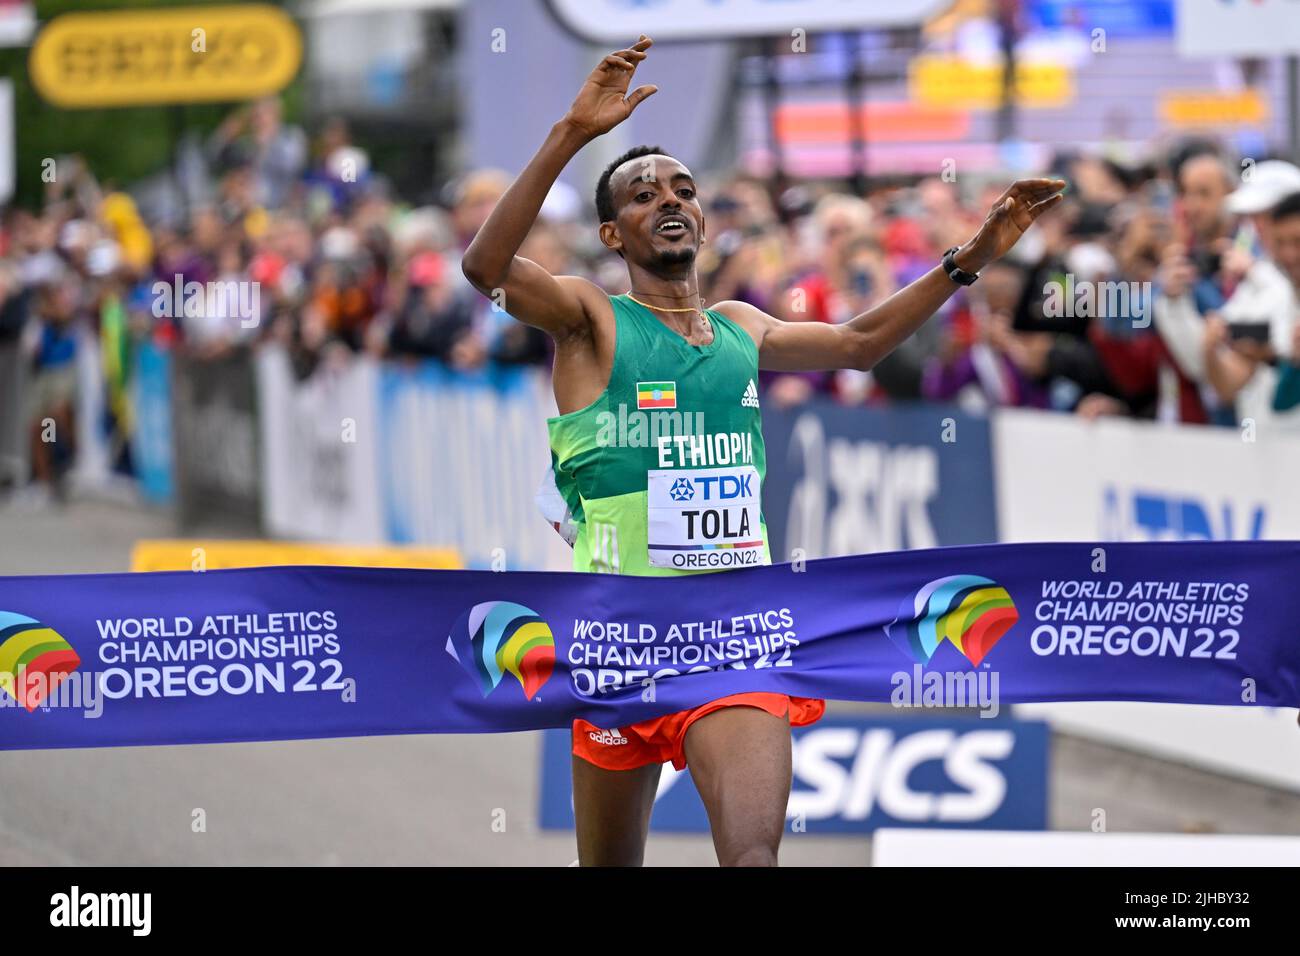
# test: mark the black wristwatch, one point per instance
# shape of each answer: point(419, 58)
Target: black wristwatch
point(955, 272)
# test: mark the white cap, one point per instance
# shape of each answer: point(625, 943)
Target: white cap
point(1268, 184)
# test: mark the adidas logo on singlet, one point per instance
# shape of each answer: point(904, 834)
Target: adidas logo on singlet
point(750, 398)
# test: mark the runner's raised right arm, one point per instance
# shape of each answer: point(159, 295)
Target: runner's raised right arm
point(554, 304)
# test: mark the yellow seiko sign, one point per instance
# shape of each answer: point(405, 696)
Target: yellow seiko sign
point(176, 55)
point(172, 554)
point(1194, 108)
point(939, 80)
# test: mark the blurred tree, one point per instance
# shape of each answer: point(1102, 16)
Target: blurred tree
point(119, 145)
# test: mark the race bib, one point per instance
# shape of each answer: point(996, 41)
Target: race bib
point(706, 518)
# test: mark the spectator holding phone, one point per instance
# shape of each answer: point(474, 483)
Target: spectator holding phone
point(1235, 351)
point(1203, 221)
point(1191, 281)
point(1241, 344)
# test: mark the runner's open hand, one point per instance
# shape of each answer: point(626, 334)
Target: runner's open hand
point(604, 102)
point(1014, 212)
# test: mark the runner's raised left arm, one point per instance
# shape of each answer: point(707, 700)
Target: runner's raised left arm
point(864, 340)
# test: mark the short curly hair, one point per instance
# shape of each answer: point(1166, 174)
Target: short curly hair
point(605, 211)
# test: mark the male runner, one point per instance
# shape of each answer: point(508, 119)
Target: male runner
point(642, 507)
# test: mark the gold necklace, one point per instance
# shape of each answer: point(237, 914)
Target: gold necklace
point(659, 308)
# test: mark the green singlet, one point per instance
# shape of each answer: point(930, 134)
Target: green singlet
point(663, 472)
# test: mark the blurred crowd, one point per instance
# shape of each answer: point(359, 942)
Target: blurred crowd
point(1161, 291)
point(1165, 290)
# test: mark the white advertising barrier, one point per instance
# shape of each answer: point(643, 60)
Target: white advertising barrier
point(462, 459)
point(621, 21)
point(1254, 28)
point(915, 847)
point(320, 450)
point(1059, 478)
point(1261, 745)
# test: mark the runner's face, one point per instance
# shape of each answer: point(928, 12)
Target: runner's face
point(659, 219)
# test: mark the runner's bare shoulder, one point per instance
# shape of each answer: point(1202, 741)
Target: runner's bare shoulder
point(749, 317)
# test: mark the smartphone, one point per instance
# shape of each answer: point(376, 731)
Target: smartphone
point(1249, 331)
point(1207, 263)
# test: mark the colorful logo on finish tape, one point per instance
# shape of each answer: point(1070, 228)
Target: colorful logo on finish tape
point(970, 611)
point(34, 659)
point(495, 638)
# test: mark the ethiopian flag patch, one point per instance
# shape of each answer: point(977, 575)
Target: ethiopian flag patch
point(656, 395)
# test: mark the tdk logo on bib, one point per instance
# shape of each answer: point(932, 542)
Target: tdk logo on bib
point(682, 490)
point(713, 488)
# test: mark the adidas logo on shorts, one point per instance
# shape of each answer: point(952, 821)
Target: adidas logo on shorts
point(750, 398)
point(610, 738)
